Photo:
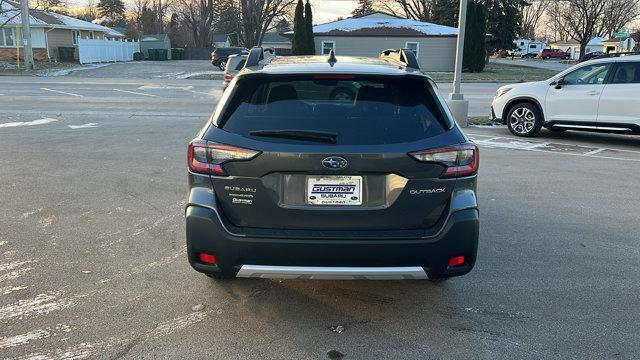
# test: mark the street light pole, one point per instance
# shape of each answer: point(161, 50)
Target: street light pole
point(457, 104)
point(26, 35)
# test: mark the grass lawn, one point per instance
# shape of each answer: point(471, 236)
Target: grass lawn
point(499, 73)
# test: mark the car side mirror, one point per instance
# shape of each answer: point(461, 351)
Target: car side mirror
point(559, 83)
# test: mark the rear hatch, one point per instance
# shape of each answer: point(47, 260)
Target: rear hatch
point(332, 152)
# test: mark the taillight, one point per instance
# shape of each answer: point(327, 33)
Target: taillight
point(460, 160)
point(208, 157)
point(228, 77)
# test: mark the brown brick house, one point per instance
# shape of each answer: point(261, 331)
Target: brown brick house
point(52, 35)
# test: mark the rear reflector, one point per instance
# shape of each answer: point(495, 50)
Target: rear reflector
point(208, 157)
point(207, 258)
point(459, 160)
point(456, 261)
point(228, 77)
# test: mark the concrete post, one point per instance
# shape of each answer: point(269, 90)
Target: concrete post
point(26, 35)
point(457, 104)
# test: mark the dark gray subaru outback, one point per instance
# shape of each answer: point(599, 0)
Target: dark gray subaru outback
point(332, 168)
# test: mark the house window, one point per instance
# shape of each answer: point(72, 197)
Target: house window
point(533, 46)
point(8, 37)
point(413, 46)
point(91, 35)
point(327, 46)
point(76, 36)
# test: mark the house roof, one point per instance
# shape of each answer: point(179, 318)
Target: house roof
point(383, 25)
point(39, 18)
point(274, 37)
point(574, 42)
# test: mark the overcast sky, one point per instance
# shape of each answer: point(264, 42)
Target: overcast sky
point(329, 10)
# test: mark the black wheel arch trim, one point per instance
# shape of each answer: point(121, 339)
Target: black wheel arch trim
point(515, 100)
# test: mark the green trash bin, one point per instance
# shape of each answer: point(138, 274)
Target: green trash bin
point(177, 54)
point(66, 54)
point(153, 54)
point(162, 54)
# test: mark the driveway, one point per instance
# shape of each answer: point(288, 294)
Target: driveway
point(553, 65)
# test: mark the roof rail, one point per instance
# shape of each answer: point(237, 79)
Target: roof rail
point(256, 55)
point(403, 56)
point(617, 54)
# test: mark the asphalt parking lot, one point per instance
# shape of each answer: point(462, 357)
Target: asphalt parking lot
point(93, 264)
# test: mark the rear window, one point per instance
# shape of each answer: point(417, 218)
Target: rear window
point(358, 110)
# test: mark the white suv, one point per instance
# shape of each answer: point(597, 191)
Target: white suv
point(597, 95)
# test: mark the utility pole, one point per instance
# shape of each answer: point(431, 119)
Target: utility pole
point(457, 104)
point(26, 36)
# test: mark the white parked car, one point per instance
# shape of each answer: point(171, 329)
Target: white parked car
point(597, 95)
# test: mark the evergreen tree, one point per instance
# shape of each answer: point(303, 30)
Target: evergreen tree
point(112, 10)
point(474, 53)
point(365, 7)
point(504, 20)
point(298, 43)
point(308, 20)
point(445, 12)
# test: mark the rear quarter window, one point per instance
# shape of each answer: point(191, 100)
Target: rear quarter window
point(359, 110)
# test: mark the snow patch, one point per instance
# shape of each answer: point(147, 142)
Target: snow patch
point(83, 126)
point(3, 242)
point(10, 289)
point(40, 305)
point(14, 264)
point(29, 213)
point(63, 72)
point(29, 123)
point(373, 21)
point(23, 339)
point(14, 274)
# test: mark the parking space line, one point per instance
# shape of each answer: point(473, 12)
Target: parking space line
point(135, 93)
point(594, 152)
point(61, 92)
point(555, 143)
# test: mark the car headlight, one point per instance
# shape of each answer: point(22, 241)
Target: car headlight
point(502, 91)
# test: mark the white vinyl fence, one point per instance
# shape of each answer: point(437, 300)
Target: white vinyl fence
point(102, 50)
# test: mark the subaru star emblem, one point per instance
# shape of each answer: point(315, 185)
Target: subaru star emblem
point(335, 162)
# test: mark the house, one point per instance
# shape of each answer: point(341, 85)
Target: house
point(622, 44)
point(53, 36)
point(572, 46)
point(277, 41)
point(220, 40)
point(155, 41)
point(368, 35)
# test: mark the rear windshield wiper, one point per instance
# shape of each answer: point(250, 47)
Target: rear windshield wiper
point(319, 136)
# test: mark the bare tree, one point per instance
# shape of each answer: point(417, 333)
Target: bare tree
point(616, 15)
point(198, 17)
point(260, 16)
point(584, 19)
point(7, 13)
point(413, 9)
point(532, 12)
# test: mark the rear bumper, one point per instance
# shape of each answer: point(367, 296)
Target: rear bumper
point(206, 233)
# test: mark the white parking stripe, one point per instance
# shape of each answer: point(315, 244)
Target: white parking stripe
point(555, 143)
point(134, 92)
point(594, 152)
point(61, 92)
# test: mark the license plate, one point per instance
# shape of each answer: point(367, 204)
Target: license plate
point(334, 190)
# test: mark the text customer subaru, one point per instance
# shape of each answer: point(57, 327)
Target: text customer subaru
point(339, 168)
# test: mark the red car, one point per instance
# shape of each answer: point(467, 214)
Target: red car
point(554, 54)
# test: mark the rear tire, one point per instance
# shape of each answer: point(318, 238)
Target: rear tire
point(524, 119)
